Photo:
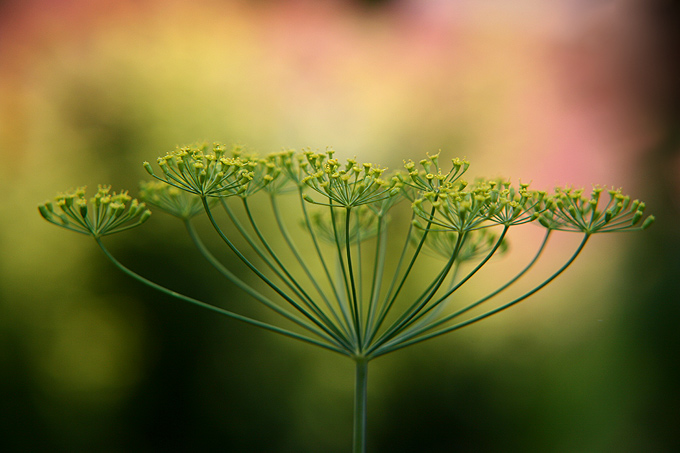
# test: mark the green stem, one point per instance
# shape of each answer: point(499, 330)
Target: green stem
point(348, 306)
point(360, 406)
point(307, 300)
point(303, 265)
point(415, 332)
point(341, 341)
point(423, 299)
point(374, 325)
point(286, 279)
point(331, 281)
point(245, 287)
point(413, 318)
point(378, 271)
point(218, 310)
point(394, 345)
point(390, 300)
point(359, 272)
point(356, 309)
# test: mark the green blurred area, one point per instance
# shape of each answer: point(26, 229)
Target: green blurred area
point(92, 361)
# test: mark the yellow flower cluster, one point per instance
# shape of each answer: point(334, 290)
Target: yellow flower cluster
point(462, 208)
point(206, 172)
point(105, 213)
point(441, 199)
point(349, 185)
point(569, 210)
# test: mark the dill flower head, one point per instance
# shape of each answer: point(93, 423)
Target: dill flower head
point(455, 208)
point(105, 213)
point(567, 209)
point(292, 165)
point(509, 205)
point(264, 175)
point(347, 185)
point(430, 177)
point(462, 208)
point(205, 171)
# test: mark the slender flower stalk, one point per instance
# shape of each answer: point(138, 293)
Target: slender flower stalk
point(358, 292)
point(360, 405)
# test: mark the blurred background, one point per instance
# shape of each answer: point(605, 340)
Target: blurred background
point(563, 92)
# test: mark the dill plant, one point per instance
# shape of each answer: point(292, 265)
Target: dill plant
point(343, 297)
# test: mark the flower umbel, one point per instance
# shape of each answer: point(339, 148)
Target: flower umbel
point(462, 208)
point(105, 213)
point(364, 296)
point(568, 210)
point(430, 177)
point(348, 186)
point(204, 171)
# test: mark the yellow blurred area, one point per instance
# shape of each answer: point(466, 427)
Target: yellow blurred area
point(555, 93)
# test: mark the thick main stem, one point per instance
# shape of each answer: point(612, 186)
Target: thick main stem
point(360, 400)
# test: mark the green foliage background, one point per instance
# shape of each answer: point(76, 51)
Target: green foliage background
point(91, 361)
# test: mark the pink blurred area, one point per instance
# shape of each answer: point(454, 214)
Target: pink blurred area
point(556, 92)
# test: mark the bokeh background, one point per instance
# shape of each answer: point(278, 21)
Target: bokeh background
point(563, 92)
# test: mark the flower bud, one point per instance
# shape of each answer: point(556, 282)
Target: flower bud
point(45, 212)
point(544, 221)
point(636, 217)
point(648, 222)
point(516, 211)
point(82, 206)
point(625, 201)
